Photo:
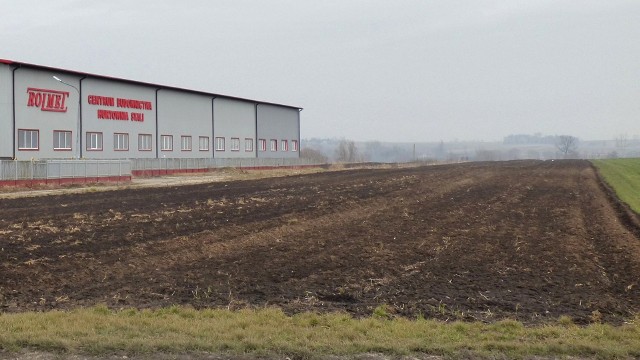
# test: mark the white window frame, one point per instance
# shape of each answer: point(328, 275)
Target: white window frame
point(248, 144)
point(167, 142)
point(62, 140)
point(120, 142)
point(145, 142)
point(274, 145)
point(94, 141)
point(219, 143)
point(28, 139)
point(186, 142)
point(235, 144)
point(262, 144)
point(203, 142)
point(294, 145)
point(284, 145)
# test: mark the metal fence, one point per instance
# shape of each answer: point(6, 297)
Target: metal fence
point(191, 164)
point(63, 169)
point(60, 171)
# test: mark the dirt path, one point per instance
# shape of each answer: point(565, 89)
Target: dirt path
point(529, 240)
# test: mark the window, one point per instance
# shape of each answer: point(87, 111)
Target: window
point(61, 140)
point(274, 145)
point(120, 142)
point(262, 143)
point(94, 141)
point(28, 139)
point(185, 143)
point(235, 144)
point(248, 144)
point(294, 145)
point(219, 144)
point(204, 143)
point(167, 142)
point(284, 145)
point(144, 142)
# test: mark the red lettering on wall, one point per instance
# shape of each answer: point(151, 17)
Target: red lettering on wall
point(113, 115)
point(47, 100)
point(100, 100)
point(134, 104)
point(121, 103)
point(137, 117)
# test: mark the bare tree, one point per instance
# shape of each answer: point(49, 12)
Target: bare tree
point(314, 155)
point(347, 151)
point(567, 144)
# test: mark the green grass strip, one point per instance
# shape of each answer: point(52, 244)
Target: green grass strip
point(623, 175)
point(100, 331)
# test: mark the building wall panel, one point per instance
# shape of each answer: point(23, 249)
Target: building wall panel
point(185, 114)
point(234, 119)
point(280, 124)
point(111, 107)
point(6, 112)
point(45, 105)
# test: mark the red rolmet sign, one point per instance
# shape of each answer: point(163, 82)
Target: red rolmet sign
point(47, 100)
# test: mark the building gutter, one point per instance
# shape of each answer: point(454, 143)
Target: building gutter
point(212, 144)
point(13, 104)
point(257, 141)
point(157, 133)
point(80, 115)
point(299, 140)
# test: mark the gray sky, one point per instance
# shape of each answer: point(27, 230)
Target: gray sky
point(412, 70)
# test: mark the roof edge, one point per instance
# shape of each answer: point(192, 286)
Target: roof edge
point(105, 77)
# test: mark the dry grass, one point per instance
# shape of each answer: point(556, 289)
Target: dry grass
point(100, 331)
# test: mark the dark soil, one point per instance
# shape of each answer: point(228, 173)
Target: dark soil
point(527, 240)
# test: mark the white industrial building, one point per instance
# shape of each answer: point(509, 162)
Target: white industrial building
point(50, 113)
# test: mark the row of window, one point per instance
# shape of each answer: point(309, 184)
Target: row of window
point(262, 144)
point(62, 139)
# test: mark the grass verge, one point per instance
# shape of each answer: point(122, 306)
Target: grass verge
point(623, 175)
point(100, 331)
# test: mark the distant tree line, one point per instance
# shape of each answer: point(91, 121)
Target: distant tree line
point(536, 146)
point(315, 155)
point(527, 139)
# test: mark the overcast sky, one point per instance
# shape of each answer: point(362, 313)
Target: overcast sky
point(414, 70)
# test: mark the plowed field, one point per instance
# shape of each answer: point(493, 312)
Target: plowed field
point(527, 240)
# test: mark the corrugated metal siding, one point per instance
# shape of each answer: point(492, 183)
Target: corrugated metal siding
point(183, 114)
point(180, 112)
point(278, 123)
point(91, 122)
point(6, 112)
point(234, 119)
point(32, 117)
